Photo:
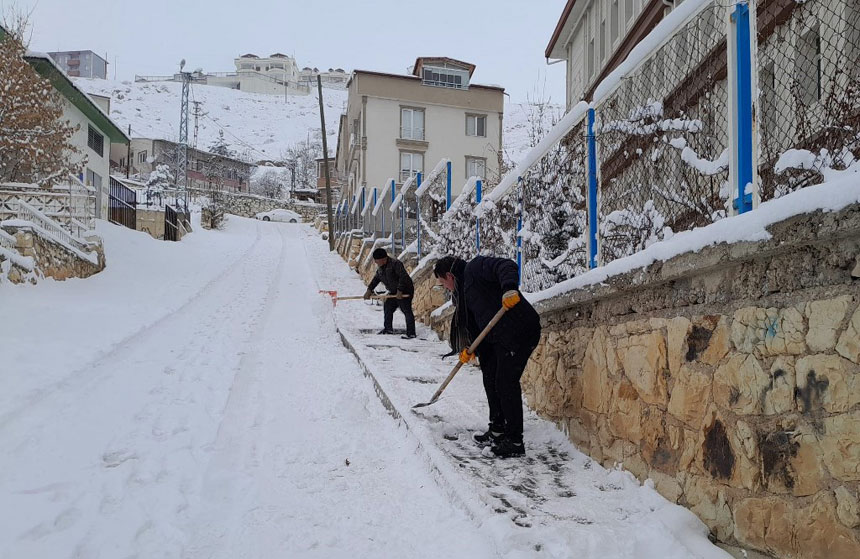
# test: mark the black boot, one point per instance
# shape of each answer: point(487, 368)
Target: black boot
point(408, 336)
point(487, 438)
point(386, 331)
point(507, 448)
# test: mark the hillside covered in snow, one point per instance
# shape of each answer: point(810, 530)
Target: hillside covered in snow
point(261, 126)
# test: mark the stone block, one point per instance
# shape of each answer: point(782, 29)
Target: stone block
point(849, 342)
point(597, 390)
point(778, 395)
point(691, 395)
point(644, 361)
point(708, 501)
point(626, 415)
point(739, 384)
point(718, 345)
point(677, 331)
point(769, 332)
point(847, 507)
point(840, 446)
point(827, 382)
point(765, 523)
point(819, 533)
point(825, 319)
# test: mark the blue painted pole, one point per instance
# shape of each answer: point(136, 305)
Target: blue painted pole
point(418, 213)
point(448, 186)
point(741, 16)
point(477, 219)
point(402, 225)
point(351, 217)
point(519, 229)
point(361, 208)
point(393, 218)
point(592, 192)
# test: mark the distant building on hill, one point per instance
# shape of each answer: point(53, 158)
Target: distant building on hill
point(276, 74)
point(81, 63)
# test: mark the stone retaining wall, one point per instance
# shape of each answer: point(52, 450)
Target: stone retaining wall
point(730, 377)
point(53, 260)
point(248, 205)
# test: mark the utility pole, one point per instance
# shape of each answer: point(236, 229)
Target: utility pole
point(325, 162)
point(182, 146)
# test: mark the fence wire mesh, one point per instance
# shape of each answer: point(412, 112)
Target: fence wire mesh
point(809, 84)
point(432, 204)
point(662, 140)
point(552, 198)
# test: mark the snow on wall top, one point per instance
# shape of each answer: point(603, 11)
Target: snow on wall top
point(750, 226)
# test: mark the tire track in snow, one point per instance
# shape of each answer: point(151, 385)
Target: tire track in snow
point(111, 352)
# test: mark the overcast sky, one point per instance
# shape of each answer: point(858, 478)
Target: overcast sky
point(505, 39)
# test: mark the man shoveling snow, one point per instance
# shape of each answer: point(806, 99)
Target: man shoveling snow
point(480, 288)
point(393, 275)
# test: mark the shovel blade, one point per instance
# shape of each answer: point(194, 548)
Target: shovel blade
point(425, 404)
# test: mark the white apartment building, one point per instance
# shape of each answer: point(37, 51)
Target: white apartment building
point(398, 125)
point(96, 131)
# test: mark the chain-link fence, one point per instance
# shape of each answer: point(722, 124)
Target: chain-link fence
point(552, 197)
point(662, 141)
point(432, 203)
point(809, 84)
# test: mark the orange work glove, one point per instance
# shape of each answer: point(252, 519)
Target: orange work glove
point(510, 299)
point(465, 356)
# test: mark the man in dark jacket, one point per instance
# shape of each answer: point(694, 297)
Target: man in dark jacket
point(480, 288)
point(393, 275)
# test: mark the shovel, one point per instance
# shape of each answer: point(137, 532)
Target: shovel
point(472, 349)
point(335, 298)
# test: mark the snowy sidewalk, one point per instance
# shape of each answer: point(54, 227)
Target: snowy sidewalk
point(556, 502)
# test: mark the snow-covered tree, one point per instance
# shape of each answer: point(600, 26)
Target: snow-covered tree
point(34, 139)
point(300, 158)
point(159, 180)
point(220, 146)
point(271, 182)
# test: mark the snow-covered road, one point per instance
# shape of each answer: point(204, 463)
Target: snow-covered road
point(194, 401)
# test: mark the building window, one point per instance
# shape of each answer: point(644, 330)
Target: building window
point(96, 141)
point(200, 165)
point(613, 21)
point(412, 124)
point(141, 156)
point(628, 11)
point(94, 179)
point(476, 167)
point(410, 164)
point(445, 77)
point(591, 58)
point(476, 125)
point(602, 40)
point(809, 60)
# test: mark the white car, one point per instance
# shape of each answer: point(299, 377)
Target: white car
point(285, 216)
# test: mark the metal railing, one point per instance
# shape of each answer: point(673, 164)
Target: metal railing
point(53, 229)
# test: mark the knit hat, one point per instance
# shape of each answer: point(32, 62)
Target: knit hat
point(379, 254)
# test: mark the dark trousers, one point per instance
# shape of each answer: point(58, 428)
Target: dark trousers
point(405, 305)
point(502, 368)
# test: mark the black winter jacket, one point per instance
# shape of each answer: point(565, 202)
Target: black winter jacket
point(394, 277)
point(481, 282)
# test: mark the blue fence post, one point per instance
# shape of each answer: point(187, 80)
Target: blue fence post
point(362, 216)
point(592, 192)
point(744, 122)
point(448, 186)
point(478, 219)
point(519, 229)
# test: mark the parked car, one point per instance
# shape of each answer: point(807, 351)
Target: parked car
point(285, 216)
